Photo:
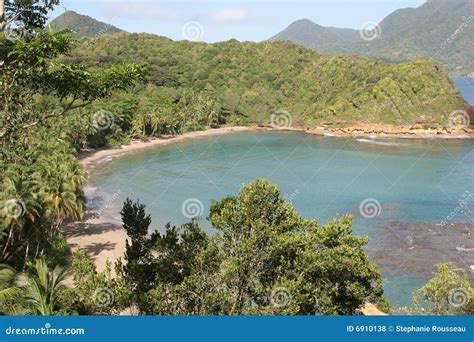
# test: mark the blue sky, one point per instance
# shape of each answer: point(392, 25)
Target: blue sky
point(224, 19)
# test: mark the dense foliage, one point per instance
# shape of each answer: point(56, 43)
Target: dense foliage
point(41, 177)
point(33, 292)
point(266, 259)
point(449, 292)
point(247, 82)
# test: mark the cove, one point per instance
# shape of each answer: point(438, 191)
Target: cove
point(400, 192)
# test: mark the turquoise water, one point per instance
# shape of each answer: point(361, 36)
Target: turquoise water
point(466, 87)
point(416, 183)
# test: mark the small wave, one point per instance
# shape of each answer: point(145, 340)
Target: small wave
point(106, 159)
point(90, 193)
point(330, 135)
point(92, 197)
point(463, 249)
point(369, 141)
point(109, 158)
point(89, 190)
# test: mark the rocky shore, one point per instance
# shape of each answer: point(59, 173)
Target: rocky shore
point(392, 131)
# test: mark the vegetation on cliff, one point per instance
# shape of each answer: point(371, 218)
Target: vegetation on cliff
point(246, 82)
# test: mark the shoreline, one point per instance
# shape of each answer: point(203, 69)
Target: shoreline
point(384, 131)
point(104, 239)
point(89, 159)
point(93, 157)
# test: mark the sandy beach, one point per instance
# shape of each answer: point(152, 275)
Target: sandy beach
point(104, 239)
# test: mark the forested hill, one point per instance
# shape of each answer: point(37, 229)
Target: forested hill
point(250, 81)
point(438, 29)
point(82, 25)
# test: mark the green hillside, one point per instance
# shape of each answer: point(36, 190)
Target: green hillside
point(82, 25)
point(247, 82)
point(442, 30)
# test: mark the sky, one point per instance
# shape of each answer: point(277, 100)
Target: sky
point(212, 21)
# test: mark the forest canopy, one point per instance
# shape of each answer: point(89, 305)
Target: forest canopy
point(247, 82)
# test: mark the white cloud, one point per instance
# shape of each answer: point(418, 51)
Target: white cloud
point(231, 15)
point(138, 11)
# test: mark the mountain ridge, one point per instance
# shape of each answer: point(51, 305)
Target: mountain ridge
point(440, 30)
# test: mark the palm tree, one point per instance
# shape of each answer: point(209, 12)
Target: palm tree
point(61, 188)
point(39, 288)
point(20, 205)
point(8, 289)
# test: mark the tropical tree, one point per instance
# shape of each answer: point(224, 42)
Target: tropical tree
point(93, 292)
point(42, 178)
point(137, 268)
point(449, 292)
point(25, 12)
point(40, 287)
point(267, 259)
point(8, 289)
point(290, 265)
point(20, 211)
